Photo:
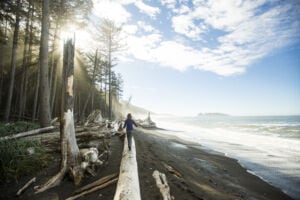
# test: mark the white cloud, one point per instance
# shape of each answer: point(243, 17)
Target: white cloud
point(247, 32)
point(144, 8)
point(141, 47)
point(145, 27)
point(171, 4)
point(111, 10)
point(184, 24)
point(130, 29)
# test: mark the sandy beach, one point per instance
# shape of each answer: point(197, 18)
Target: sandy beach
point(204, 175)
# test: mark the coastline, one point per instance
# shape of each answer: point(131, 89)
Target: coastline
point(205, 175)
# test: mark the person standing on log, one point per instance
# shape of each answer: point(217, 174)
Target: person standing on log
point(129, 129)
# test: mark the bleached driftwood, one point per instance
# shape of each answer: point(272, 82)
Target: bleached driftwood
point(26, 186)
point(172, 170)
point(28, 133)
point(94, 117)
point(54, 120)
point(162, 184)
point(96, 183)
point(99, 187)
point(128, 187)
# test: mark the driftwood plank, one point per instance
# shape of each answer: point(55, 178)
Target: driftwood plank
point(95, 183)
point(99, 187)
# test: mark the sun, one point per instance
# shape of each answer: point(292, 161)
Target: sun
point(81, 35)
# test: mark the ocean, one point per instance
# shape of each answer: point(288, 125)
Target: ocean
point(267, 146)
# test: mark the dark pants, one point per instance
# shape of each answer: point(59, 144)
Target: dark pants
point(129, 138)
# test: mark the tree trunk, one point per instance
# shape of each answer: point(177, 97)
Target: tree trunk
point(44, 90)
point(109, 81)
point(13, 63)
point(29, 52)
point(91, 94)
point(69, 148)
point(93, 79)
point(36, 95)
point(25, 66)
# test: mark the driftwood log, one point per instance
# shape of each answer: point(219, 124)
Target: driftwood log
point(28, 133)
point(128, 187)
point(162, 184)
point(26, 186)
point(93, 189)
point(172, 170)
point(96, 183)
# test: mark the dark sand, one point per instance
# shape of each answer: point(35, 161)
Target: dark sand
point(204, 175)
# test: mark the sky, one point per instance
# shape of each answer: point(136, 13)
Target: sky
point(185, 57)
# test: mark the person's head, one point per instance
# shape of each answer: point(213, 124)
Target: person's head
point(129, 116)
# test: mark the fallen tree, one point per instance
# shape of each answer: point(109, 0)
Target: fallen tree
point(28, 133)
point(128, 187)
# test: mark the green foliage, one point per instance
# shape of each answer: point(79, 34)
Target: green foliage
point(17, 127)
point(16, 160)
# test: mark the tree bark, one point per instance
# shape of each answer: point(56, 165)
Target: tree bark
point(13, 62)
point(44, 90)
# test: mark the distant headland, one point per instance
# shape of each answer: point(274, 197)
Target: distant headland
point(212, 114)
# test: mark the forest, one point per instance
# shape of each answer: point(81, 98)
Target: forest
point(32, 34)
point(46, 74)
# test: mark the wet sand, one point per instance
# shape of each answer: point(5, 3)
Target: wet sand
point(205, 175)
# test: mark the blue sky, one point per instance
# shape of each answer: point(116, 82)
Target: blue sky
point(184, 57)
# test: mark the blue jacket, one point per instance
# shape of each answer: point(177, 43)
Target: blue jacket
point(129, 124)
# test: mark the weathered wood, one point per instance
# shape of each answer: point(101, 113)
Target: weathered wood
point(99, 187)
point(69, 148)
point(162, 184)
point(26, 186)
point(172, 170)
point(28, 133)
point(95, 183)
point(128, 187)
point(54, 120)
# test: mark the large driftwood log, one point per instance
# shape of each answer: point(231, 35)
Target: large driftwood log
point(26, 186)
point(28, 133)
point(128, 187)
point(162, 184)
